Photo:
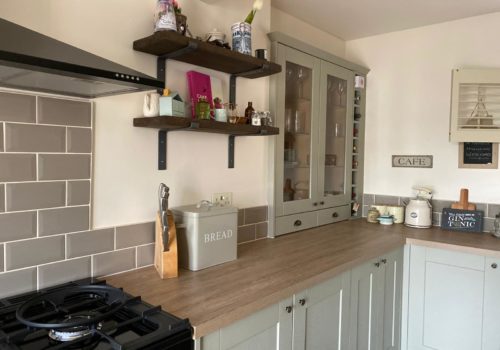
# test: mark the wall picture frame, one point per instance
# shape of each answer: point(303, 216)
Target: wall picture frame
point(478, 155)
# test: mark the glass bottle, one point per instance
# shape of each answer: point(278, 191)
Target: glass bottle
point(165, 16)
point(249, 112)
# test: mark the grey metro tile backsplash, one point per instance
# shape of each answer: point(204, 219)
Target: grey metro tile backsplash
point(63, 271)
point(64, 112)
point(35, 195)
point(34, 252)
point(34, 138)
point(63, 220)
point(18, 107)
point(90, 242)
point(17, 167)
point(16, 226)
point(45, 200)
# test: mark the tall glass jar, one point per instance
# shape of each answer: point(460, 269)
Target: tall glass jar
point(165, 16)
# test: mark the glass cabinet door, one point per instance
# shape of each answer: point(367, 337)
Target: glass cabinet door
point(336, 135)
point(296, 141)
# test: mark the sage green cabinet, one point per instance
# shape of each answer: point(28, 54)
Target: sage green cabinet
point(359, 309)
point(321, 316)
point(258, 331)
point(453, 300)
point(311, 160)
point(376, 291)
point(314, 319)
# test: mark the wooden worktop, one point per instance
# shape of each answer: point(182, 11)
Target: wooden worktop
point(270, 270)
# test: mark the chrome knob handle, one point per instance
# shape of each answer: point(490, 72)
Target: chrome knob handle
point(383, 261)
point(302, 301)
point(288, 309)
point(297, 223)
point(494, 265)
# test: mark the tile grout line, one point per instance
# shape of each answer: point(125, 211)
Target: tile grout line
point(4, 257)
point(36, 109)
point(136, 263)
point(37, 224)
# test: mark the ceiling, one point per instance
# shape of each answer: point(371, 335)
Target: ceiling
point(350, 20)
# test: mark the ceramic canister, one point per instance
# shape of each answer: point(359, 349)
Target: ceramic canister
point(242, 37)
point(398, 212)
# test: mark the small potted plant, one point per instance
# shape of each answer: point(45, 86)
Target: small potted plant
point(180, 18)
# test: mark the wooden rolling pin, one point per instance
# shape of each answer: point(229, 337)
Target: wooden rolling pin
point(464, 201)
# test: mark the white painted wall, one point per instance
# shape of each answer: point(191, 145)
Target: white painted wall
point(408, 104)
point(125, 172)
point(300, 30)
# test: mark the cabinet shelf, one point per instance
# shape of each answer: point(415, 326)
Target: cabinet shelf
point(172, 45)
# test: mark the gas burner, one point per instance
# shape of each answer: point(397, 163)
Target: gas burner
point(113, 298)
point(73, 333)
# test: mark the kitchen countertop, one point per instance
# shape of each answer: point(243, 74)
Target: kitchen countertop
point(270, 270)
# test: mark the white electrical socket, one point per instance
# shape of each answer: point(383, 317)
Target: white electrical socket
point(222, 198)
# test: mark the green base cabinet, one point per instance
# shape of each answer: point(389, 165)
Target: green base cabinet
point(453, 300)
point(359, 309)
point(376, 291)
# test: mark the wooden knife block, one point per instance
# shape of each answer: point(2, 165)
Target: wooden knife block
point(166, 262)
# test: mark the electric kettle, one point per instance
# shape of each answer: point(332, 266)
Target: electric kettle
point(418, 212)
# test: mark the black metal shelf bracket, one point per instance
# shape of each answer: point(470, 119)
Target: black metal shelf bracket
point(162, 150)
point(161, 68)
point(232, 89)
point(230, 152)
point(161, 62)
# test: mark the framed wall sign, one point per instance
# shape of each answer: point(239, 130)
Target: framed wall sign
point(412, 161)
point(478, 155)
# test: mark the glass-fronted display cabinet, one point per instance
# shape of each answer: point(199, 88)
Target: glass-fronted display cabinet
point(313, 103)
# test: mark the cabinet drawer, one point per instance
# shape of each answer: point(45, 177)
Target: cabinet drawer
point(297, 222)
point(331, 215)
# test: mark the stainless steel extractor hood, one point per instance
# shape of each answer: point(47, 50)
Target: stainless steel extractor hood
point(32, 61)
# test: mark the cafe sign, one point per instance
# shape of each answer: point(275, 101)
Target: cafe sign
point(408, 161)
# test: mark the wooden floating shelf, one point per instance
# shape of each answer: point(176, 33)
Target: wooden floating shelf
point(170, 123)
point(175, 46)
